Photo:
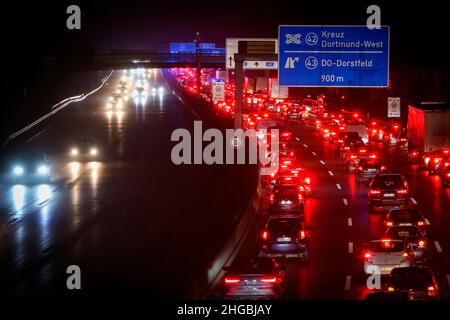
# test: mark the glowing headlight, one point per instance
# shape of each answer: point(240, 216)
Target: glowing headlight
point(93, 152)
point(160, 90)
point(111, 98)
point(74, 152)
point(18, 170)
point(43, 169)
point(109, 105)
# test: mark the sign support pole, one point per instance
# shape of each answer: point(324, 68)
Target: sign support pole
point(239, 74)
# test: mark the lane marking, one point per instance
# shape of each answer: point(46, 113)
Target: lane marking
point(427, 222)
point(305, 145)
point(350, 222)
point(296, 138)
point(338, 186)
point(315, 154)
point(348, 281)
point(345, 201)
point(330, 173)
point(438, 246)
point(322, 162)
point(350, 247)
point(413, 200)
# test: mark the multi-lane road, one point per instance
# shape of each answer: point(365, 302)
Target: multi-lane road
point(135, 223)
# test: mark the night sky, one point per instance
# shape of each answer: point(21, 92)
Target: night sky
point(417, 31)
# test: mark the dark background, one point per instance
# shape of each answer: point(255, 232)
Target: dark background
point(34, 30)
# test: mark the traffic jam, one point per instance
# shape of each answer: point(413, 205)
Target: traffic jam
point(395, 259)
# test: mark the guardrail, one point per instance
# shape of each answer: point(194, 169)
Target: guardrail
point(56, 108)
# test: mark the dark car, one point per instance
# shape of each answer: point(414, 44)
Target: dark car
point(388, 191)
point(29, 167)
point(445, 177)
point(367, 168)
point(285, 236)
point(293, 114)
point(287, 199)
point(253, 278)
point(405, 217)
point(413, 235)
point(418, 281)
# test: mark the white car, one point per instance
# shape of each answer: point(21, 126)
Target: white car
point(387, 254)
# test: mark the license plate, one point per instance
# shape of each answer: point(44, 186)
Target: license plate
point(389, 195)
point(284, 239)
point(372, 170)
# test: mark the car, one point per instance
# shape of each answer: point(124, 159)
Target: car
point(84, 149)
point(431, 160)
point(286, 199)
point(30, 167)
point(342, 137)
point(388, 295)
point(115, 101)
point(357, 152)
point(368, 168)
point(293, 114)
point(388, 191)
point(349, 145)
point(406, 217)
point(285, 236)
point(247, 278)
point(386, 254)
point(391, 131)
point(445, 177)
point(139, 92)
point(402, 141)
point(413, 235)
point(417, 281)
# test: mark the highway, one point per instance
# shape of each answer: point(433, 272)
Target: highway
point(342, 226)
point(134, 222)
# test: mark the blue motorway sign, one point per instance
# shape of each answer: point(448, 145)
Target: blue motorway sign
point(182, 47)
point(333, 56)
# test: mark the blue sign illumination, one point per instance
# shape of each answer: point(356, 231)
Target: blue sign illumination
point(182, 47)
point(333, 56)
point(207, 45)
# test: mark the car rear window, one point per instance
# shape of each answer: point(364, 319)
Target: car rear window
point(387, 246)
point(281, 225)
point(388, 182)
point(403, 232)
point(413, 278)
point(252, 266)
point(404, 215)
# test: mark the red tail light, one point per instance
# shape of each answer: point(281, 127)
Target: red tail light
point(300, 196)
point(353, 156)
point(307, 180)
point(431, 291)
point(382, 168)
point(422, 244)
point(375, 191)
point(302, 234)
point(360, 168)
point(269, 279)
point(232, 280)
point(436, 160)
point(402, 191)
point(420, 223)
point(271, 198)
point(367, 256)
point(265, 235)
point(389, 223)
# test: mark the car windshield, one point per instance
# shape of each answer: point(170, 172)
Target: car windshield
point(387, 246)
point(388, 182)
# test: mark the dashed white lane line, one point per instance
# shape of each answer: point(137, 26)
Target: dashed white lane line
point(338, 186)
point(350, 222)
point(296, 138)
point(322, 162)
point(314, 154)
point(348, 282)
point(350, 247)
point(448, 279)
point(438, 246)
point(305, 145)
point(345, 201)
point(427, 222)
point(413, 201)
point(330, 173)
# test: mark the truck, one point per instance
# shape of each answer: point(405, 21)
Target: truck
point(428, 130)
